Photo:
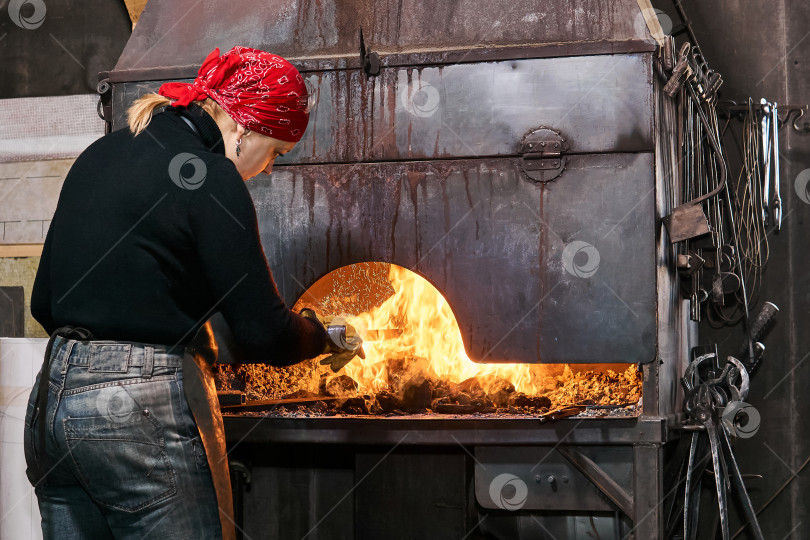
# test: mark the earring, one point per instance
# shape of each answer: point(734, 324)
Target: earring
point(238, 149)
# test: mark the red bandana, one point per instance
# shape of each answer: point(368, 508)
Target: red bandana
point(261, 91)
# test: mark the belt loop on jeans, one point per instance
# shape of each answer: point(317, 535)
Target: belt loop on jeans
point(66, 358)
point(148, 362)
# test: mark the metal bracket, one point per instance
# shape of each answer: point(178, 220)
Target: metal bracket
point(369, 60)
point(104, 107)
point(542, 152)
point(606, 484)
point(241, 469)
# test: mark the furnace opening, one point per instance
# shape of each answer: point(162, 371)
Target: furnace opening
point(415, 360)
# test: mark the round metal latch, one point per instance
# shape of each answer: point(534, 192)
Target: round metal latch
point(543, 156)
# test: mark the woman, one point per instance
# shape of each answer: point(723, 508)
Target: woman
point(154, 232)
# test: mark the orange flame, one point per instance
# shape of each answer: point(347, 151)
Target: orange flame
point(417, 324)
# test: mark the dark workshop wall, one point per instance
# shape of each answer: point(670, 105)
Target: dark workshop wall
point(762, 48)
point(57, 47)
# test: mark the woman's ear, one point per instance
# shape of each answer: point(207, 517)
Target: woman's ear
point(241, 131)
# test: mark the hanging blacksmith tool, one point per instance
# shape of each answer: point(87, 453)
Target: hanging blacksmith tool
point(751, 347)
point(689, 220)
point(776, 205)
point(680, 73)
point(765, 133)
point(708, 396)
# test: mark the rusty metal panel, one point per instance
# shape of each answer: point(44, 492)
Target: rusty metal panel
point(557, 273)
point(325, 33)
point(598, 103)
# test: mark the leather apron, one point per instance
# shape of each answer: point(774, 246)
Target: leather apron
point(201, 395)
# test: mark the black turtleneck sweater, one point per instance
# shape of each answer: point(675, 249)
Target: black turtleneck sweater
point(132, 256)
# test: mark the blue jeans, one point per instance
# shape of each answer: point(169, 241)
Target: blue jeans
point(123, 456)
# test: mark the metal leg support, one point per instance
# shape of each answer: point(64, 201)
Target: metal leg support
point(648, 464)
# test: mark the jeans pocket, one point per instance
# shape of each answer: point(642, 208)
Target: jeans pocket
point(121, 462)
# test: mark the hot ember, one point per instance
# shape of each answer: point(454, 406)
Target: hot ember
point(415, 360)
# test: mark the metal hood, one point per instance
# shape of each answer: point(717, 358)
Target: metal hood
point(171, 37)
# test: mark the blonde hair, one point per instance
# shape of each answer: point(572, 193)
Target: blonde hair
point(140, 112)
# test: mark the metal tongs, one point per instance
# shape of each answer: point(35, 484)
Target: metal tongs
point(776, 208)
point(689, 220)
point(769, 133)
point(765, 135)
point(717, 403)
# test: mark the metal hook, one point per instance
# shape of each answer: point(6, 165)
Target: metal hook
point(799, 111)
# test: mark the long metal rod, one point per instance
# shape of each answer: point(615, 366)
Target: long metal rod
point(718, 153)
point(686, 22)
point(690, 509)
point(719, 477)
point(739, 486)
point(774, 496)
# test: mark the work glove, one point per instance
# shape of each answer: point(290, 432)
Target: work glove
point(343, 341)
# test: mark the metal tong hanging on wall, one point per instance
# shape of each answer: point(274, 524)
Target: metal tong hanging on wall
point(716, 402)
point(689, 219)
point(769, 144)
point(765, 146)
point(776, 208)
point(766, 118)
